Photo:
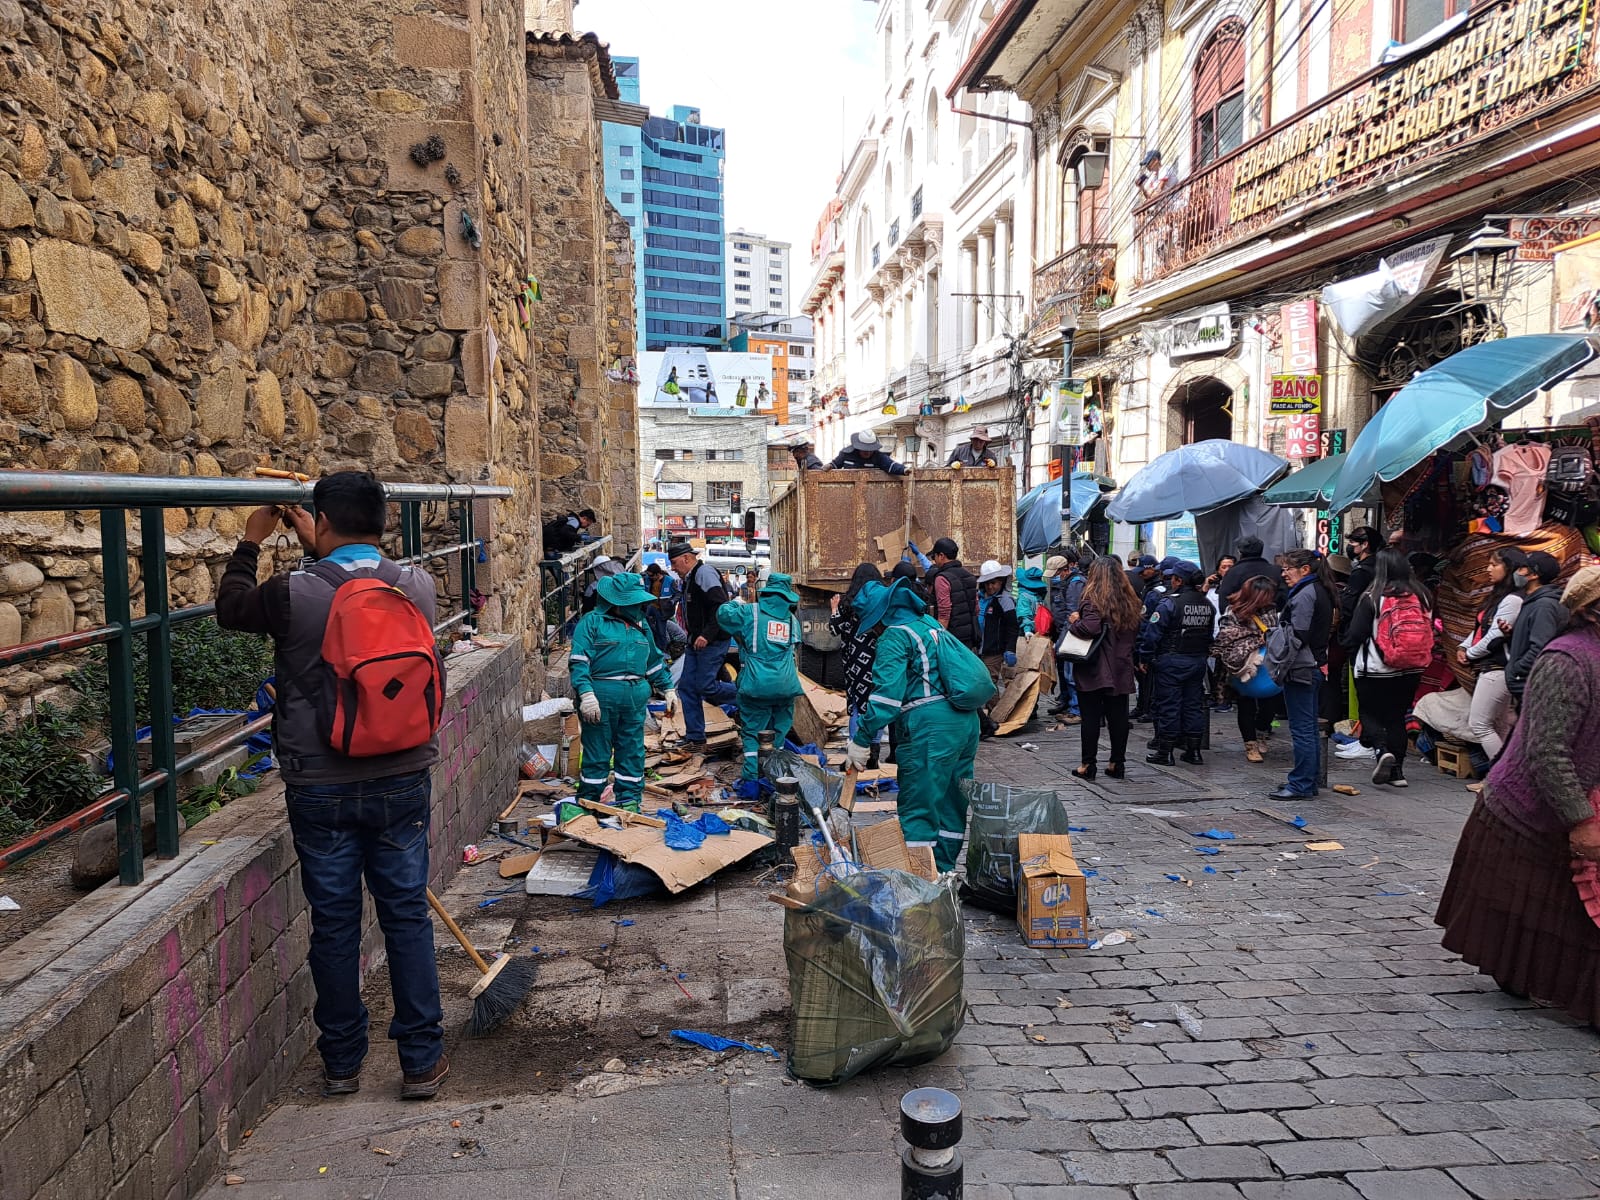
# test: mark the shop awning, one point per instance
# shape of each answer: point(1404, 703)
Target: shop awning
point(1471, 390)
point(1309, 487)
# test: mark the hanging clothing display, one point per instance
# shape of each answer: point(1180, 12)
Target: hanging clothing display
point(1520, 469)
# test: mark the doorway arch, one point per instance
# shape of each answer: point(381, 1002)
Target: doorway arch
point(1199, 410)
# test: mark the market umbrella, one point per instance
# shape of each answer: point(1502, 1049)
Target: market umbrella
point(1310, 486)
point(1195, 479)
point(1475, 388)
point(1039, 512)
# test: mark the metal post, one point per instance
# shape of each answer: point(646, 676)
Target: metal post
point(468, 559)
point(119, 674)
point(158, 653)
point(410, 528)
point(930, 1165)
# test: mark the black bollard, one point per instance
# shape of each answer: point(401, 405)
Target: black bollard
point(787, 813)
point(930, 1165)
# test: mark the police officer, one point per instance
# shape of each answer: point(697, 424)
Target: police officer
point(1151, 595)
point(767, 633)
point(614, 665)
point(1177, 638)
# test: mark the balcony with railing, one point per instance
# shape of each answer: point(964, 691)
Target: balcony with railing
point(1086, 275)
point(1381, 131)
point(894, 233)
point(916, 204)
point(877, 255)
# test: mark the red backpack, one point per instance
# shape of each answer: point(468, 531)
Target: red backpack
point(382, 686)
point(1403, 633)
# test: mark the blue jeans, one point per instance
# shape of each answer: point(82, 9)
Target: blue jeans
point(699, 683)
point(1303, 700)
point(1068, 696)
point(377, 829)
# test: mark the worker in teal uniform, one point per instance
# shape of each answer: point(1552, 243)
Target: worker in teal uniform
point(1031, 590)
point(767, 633)
point(615, 664)
point(937, 741)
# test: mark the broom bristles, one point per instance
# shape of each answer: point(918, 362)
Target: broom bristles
point(502, 997)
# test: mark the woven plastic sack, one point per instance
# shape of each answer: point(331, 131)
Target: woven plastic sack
point(997, 813)
point(875, 974)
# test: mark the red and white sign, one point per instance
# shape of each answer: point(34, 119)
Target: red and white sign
point(1303, 438)
point(1300, 338)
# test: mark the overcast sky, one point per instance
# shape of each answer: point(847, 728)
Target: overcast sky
point(773, 75)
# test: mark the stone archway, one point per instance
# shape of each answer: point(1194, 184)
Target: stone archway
point(1198, 410)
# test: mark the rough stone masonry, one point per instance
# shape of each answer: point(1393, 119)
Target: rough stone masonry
point(295, 234)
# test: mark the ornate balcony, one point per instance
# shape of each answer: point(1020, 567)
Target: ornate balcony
point(1086, 274)
point(1505, 69)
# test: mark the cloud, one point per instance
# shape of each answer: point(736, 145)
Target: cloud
point(786, 80)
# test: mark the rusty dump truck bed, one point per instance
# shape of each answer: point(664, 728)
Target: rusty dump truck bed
point(830, 521)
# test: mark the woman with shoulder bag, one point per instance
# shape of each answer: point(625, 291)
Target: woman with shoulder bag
point(1485, 649)
point(1252, 614)
point(1108, 611)
point(1390, 642)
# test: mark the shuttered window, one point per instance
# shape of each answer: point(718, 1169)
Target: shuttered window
point(1219, 94)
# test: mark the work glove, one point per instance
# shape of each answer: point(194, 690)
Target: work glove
point(589, 708)
point(856, 756)
point(672, 703)
point(1010, 658)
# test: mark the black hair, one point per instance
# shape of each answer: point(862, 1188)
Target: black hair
point(1250, 547)
point(1510, 558)
point(947, 547)
point(864, 573)
point(1070, 553)
point(588, 513)
point(1366, 533)
point(1393, 576)
point(353, 502)
point(903, 570)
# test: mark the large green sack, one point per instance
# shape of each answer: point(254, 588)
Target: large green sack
point(996, 814)
point(875, 974)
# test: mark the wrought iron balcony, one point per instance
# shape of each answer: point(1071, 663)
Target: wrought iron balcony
point(876, 254)
point(916, 204)
point(894, 233)
point(1380, 130)
point(1086, 274)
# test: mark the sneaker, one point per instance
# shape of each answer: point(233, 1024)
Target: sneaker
point(1353, 750)
point(1386, 768)
point(1397, 777)
point(346, 1085)
point(425, 1085)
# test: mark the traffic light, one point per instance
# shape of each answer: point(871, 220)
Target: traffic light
point(735, 502)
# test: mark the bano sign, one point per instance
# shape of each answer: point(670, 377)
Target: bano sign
point(1296, 394)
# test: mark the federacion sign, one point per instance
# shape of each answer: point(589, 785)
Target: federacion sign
point(1496, 70)
point(1296, 394)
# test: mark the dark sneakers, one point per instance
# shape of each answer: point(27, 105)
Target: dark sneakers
point(347, 1085)
point(425, 1084)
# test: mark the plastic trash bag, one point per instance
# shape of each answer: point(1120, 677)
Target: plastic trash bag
point(996, 814)
point(818, 785)
point(875, 974)
point(613, 879)
point(717, 1044)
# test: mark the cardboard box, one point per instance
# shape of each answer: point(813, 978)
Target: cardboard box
point(881, 846)
point(1052, 900)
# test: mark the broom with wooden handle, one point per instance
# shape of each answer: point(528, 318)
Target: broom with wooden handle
point(505, 984)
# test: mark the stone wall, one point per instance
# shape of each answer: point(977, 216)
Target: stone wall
point(142, 1031)
point(296, 234)
point(583, 328)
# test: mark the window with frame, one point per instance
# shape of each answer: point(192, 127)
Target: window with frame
point(625, 151)
point(666, 455)
point(1413, 18)
point(1219, 93)
point(1085, 212)
point(627, 173)
point(630, 198)
point(722, 490)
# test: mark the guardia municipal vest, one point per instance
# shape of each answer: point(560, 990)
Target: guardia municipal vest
point(1189, 629)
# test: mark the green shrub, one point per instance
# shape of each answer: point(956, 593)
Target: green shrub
point(42, 777)
point(211, 668)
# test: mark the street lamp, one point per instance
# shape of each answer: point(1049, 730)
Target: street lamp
point(1092, 169)
point(1482, 256)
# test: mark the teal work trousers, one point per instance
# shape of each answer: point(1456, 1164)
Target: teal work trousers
point(756, 715)
point(615, 743)
point(938, 744)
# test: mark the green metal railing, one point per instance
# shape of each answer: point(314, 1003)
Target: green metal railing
point(114, 497)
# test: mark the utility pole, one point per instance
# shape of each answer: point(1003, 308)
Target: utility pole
point(1069, 336)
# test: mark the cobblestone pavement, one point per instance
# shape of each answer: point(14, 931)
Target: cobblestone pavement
point(1281, 1024)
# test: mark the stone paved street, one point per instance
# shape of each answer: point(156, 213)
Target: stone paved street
point(1282, 1026)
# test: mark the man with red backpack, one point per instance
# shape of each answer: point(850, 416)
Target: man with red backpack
point(355, 733)
point(1390, 640)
